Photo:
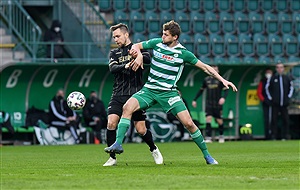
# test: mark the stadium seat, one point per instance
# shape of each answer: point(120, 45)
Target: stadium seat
point(195, 5)
point(234, 60)
point(249, 60)
point(295, 5)
point(275, 45)
point(212, 22)
point(271, 23)
point(201, 45)
point(135, 5)
point(205, 59)
point(246, 45)
point(296, 21)
point(224, 5)
point(257, 24)
point(219, 60)
point(184, 21)
point(105, 5)
point(279, 59)
point(261, 44)
point(217, 44)
point(241, 22)
point(285, 22)
point(290, 45)
point(165, 16)
point(294, 59)
point(153, 21)
point(264, 60)
point(282, 6)
point(164, 5)
point(138, 37)
point(138, 23)
point(238, 5)
point(227, 22)
point(253, 5)
point(209, 5)
point(180, 5)
point(119, 5)
point(150, 5)
point(267, 5)
point(121, 17)
point(197, 22)
point(154, 35)
point(232, 44)
point(186, 41)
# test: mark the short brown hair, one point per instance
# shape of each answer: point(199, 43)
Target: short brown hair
point(123, 27)
point(173, 28)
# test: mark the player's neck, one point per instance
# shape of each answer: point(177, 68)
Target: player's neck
point(173, 44)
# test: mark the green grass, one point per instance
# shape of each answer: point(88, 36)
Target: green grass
point(242, 165)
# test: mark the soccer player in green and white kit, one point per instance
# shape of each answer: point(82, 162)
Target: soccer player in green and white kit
point(169, 57)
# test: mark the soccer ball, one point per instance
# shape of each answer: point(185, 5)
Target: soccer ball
point(76, 100)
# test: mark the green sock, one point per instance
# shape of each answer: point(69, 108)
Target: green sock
point(122, 129)
point(198, 139)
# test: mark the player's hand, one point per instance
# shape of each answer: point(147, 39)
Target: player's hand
point(133, 53)
point(137, 63)
point(194, 104)
point(227, 84)
point(221, 101)
point(129, 64)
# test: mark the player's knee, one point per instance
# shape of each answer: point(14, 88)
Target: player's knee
point(141, 130)
point(111, 125)
point(189, 125)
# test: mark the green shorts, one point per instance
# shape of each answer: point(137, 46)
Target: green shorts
point(170, 101)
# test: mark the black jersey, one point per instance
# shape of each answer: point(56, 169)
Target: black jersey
point(214, 91)
point(127, 82)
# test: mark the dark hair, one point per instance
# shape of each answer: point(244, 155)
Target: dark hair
point(123, 27)
point(173, 28)
point(268, 68)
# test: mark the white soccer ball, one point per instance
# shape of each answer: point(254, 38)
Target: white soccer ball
point(76, 100)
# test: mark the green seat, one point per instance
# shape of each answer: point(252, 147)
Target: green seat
point(212, 22)
point(257, 23)
point(180, 5)
point(219, 60)
point(105, 5)
point(253, 5)
point(165, 16)
point(153, 22)
point(186, 41)
point(183, 20)
point(296, 21)
point(286, 24)
point(194, 5)
point(246, 44)
point(295, 5)
point(279, 59)
point(264, 60)
point(138, 23)
point(249, 60)
point(197, 22)
point(232, 44)
point(164, 5)
point(150, 5)
point(119, 5)
point(209, 6)
point(217, 45)
point(241, 22)
point(234, 60)
point(201, 45)
point(121, 17)
point(267, 5)
point(227, 22)
point(261, 44)
point(153, 35)
point(291, 45)
point(224, 5)
point(294, 59)
point(271, 23)
point(206, 59)
point(275, 44)
point(135, 5)
point(238, 5)
point(138, 37)
point(282, 5)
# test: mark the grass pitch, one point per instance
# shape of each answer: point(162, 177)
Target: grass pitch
point(242, 165)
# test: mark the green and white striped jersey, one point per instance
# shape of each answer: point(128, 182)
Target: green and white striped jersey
point(167, 64)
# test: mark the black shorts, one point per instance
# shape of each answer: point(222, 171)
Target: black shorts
point(115, 106)
point(215, 111)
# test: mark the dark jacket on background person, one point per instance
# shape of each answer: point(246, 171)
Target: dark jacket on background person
point(127, 81)
point(54, 36)
point(59, 110)
point(94, 108)
point(279, 93)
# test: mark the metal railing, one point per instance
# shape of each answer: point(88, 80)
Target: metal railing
point(21, 24)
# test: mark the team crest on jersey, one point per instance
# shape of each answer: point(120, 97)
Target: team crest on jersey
point(176, 55)
point(173, 100)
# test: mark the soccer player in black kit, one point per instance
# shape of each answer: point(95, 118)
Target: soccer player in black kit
point(127, 82)
point(213, 104)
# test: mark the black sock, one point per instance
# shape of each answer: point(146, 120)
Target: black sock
point(149, 140)
point(111, 138)
point(208, 130)
point(221, 129)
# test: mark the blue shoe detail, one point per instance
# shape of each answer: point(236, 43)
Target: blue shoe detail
point(114, 148)
point(210, 160)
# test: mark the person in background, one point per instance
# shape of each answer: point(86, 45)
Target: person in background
point(5, 122)
point(266, 104)
point(94, 115)
point(54, 34)
point(62, 117)
point(215, 98)
point(279, 90)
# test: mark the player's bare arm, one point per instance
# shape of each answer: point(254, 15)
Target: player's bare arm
point(138, 62)
point(209, 70)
